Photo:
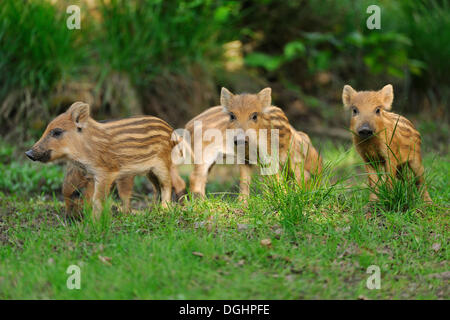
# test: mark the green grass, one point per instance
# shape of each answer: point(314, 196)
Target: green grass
point(146, 38)
point(121, 46)
point(40, 49)
point(321, 244)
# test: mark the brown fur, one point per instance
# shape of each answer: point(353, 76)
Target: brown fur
point(79, 186)
point(295, 146)
point(392, 142)
point(110, 151)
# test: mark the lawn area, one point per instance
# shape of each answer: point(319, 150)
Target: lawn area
point(291, 244)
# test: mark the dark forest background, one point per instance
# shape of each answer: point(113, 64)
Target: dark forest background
point(170, 58)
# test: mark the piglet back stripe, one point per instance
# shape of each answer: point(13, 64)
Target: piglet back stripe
point(137, 121)
point(139, 157)
point(141, 140)
point(148, 129)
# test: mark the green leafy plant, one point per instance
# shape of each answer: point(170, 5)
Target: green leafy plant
point(292, 50)
point(27, 177)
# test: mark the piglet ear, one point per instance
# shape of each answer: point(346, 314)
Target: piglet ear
point(387, 94)
point(265, 96)
point(347, 94)
point(225, 97)
point(79, 113)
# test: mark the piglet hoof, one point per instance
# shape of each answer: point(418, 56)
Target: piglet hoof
point(180, 197)
point(427, 199)
point(197, 195)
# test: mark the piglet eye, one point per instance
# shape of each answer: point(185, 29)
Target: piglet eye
point(232, 116)
point(55, 133)
point(254, 116)
point(378, 110)
point(355, 111)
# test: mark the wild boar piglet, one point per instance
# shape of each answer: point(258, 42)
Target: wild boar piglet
point(383, 139)
point(111, 151)
point(249, 122)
